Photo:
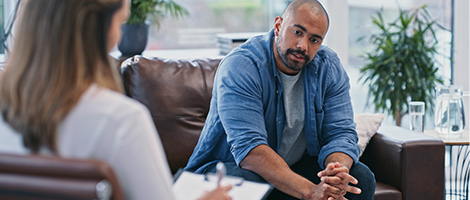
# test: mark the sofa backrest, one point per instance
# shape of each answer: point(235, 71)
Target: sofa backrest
point(178, 94)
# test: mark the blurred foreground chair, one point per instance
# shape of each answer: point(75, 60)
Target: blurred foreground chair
point(49, 177)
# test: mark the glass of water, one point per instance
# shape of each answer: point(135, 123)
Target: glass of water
point(416, 111)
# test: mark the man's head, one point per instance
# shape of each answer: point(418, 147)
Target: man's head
point(299, 34)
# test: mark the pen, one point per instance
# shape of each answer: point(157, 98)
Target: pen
point(220, 172)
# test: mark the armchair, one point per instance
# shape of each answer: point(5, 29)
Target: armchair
point(29, 177)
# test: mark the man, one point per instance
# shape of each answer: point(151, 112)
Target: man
point(281, 113)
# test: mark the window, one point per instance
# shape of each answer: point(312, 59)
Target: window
point(360, 25)
point(210, 17)
point(7, 8)
point(2, 17)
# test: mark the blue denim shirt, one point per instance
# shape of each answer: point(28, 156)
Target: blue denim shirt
point(247, 107)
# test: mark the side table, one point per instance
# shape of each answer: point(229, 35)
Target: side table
point(458, 172)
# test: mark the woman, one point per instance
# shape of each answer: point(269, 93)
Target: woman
point(60, 94)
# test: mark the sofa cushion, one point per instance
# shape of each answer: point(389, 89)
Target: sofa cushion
point(178, 94)
point(366, 126)
point(386, 192)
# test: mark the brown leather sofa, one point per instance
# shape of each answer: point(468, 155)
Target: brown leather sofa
point(407, 165)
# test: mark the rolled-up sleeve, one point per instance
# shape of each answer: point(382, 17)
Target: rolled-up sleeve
point(338, 127)
point(240, 106)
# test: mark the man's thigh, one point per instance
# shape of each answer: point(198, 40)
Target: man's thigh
point(366, 180)
point(308, 167)
point(233, 170)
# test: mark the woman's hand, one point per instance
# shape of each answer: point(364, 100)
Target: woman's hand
point(216, 194)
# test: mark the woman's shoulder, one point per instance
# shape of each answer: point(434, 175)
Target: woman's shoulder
point(104, 101)
point(103, 116)
point(100, 107)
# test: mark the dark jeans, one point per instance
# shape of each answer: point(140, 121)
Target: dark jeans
point(308, 167)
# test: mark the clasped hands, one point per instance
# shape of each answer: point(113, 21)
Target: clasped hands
point(334, 183)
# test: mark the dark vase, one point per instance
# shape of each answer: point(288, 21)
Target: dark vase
point(134, 39)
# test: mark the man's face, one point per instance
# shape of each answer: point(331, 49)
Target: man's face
point(298, 38)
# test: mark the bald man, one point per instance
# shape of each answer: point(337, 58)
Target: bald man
point(281, 113)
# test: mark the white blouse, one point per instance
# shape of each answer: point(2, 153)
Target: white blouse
point(108, 126)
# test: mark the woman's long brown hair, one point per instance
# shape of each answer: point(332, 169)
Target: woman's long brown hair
point(60, 49)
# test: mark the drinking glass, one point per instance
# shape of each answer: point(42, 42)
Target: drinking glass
point(416, 111)
point(449, 116)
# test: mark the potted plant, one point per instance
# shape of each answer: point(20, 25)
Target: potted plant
point(402, 65)
point(135, 30)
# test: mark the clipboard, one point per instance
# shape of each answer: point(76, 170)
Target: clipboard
point(189, 185)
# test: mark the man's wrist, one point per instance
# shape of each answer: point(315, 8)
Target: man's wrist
point(308, 191)
point(341, 158)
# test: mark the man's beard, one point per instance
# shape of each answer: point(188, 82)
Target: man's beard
point(292, 64)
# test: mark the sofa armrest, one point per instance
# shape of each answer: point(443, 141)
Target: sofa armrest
point(409, 161)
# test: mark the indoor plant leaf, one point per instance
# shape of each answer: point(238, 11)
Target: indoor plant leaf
point(402, 64)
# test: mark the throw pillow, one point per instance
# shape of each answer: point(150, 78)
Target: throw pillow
point(366, 126)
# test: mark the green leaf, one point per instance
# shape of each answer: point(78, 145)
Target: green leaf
point(402, 64)
point(154, 11)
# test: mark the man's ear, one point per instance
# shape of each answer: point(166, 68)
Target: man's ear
point(277, 25)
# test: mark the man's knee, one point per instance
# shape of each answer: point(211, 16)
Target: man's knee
point(361, 170)
point(366, 179)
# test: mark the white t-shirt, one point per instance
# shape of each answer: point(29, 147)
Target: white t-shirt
point(108, 126)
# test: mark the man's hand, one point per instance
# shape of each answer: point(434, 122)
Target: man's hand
point(337, 175)
point(324, 191)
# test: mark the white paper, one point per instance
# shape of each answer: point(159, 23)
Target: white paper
point(192, 186)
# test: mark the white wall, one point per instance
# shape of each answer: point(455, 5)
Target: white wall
point(461, 45)
point(337, 36)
